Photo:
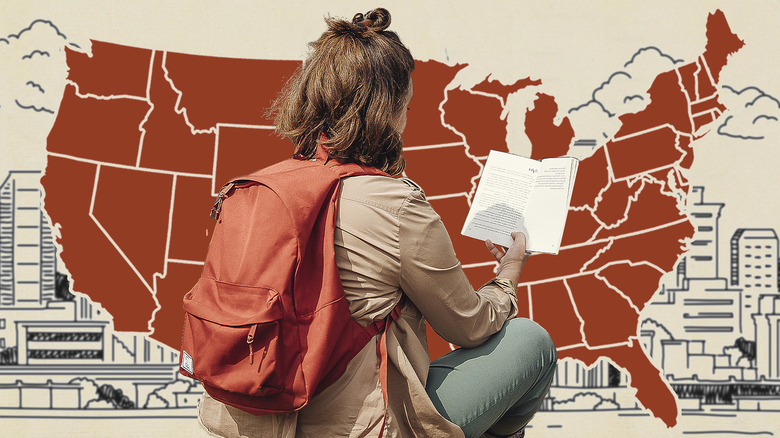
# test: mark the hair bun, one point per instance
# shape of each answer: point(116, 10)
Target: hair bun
point(375, 20)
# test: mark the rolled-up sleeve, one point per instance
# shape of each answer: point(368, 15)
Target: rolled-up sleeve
point(433, 278)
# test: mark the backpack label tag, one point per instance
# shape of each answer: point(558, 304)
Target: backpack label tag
point(186, 362)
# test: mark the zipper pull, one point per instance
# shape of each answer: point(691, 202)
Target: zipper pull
point(249, 339)
point(220, 197)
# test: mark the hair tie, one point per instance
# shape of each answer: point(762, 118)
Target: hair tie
point(360, 20)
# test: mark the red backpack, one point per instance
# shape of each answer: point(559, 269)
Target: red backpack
point(267, 325)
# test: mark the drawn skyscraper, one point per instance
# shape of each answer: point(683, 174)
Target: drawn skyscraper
point(701, 306)
point(754, 254)
point(28, 257)
point(701, 260)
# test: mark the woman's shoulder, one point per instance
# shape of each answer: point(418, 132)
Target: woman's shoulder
point(387, 192)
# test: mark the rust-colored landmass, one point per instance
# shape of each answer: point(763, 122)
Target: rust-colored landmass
point(257, 148)
point(478, 118)
point(492, 86)
point(552, 308)
point(227, 90)
point(592, 297)
point(113, 208)
point(191, 224)
point(548, 139)
point(112, 70)
point(650, 150)
point(101, 130)
point(167, 136)
point(592, 177)
point(424, 122)
point(98, 269)
point(440, 171)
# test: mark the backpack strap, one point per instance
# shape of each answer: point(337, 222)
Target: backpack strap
point(383, 326)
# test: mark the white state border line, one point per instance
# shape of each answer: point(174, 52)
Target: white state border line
point(180, 110)
point(215, 160)
point(81, 95)
point(644, 131)
point(599, 347)
point(186, 262)
point(708, 111)
point(577, 314)
point(158, 275)
point(110, 239)
point(148, 113)
point(241, 125)
point(594, 271)
point(432, 146)
point(621, 236)
point(710, 97)
point(479, 264)
point(695, 81)
point(446, 196)
point(126, 166)
point(687, 99)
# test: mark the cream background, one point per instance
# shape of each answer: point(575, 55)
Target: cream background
point(573, 46)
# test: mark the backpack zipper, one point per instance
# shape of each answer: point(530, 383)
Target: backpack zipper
point(249, 339)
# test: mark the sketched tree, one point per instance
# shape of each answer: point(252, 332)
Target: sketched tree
point(62, 287)
point(114, 396)
point(748, 350)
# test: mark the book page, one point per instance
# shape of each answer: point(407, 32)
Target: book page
point(548, 206)
point(500, 201)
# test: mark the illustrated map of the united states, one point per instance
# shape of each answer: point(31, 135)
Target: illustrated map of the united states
point(144, 139)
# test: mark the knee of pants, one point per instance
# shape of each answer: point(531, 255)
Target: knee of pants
point(532, 337)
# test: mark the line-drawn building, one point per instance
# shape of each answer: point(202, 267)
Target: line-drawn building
point(767, 323)
point(50, 339)
point(701, 306)
point(701, 259)
point(28, 257)
point(754, 253)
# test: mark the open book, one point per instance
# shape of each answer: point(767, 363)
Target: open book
point(521, 194)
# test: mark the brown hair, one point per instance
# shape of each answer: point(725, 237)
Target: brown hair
point(349, 93)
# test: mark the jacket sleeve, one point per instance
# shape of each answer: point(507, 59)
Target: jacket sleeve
point(433, 278)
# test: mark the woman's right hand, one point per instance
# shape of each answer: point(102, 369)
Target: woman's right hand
point(510, 260)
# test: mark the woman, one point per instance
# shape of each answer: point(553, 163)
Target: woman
point(351, 95)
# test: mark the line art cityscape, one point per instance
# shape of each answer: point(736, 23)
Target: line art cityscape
point(715, 336)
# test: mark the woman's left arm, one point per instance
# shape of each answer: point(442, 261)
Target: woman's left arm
point(433, 278)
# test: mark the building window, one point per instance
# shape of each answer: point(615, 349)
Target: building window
point(2, 343)
point(2, 323)
point(747, 285)
point(758, 246)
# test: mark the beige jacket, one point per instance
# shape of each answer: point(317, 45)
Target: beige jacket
point(389, 242)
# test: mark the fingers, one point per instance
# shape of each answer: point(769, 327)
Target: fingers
point(497, 252)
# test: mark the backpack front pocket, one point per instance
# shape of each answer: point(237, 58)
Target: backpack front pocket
point(241, 326)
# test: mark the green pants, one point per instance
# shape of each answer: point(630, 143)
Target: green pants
point(498, 386)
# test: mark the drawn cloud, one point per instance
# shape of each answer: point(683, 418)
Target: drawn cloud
point(754, 114)
point(625, 91)
point(27, 81)
point(32, 78)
